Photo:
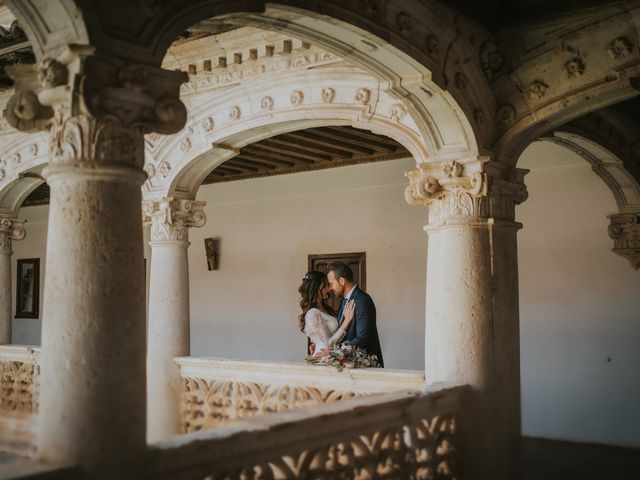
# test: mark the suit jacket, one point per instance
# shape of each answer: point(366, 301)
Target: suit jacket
point(362, 331)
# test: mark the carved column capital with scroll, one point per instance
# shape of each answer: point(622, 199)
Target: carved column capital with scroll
point(170, 218)
point(462, 192)
point(95, 110)
point(10, 229)
point(624, 229)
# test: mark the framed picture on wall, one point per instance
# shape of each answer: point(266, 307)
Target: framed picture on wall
point(28, 288)
point(356, 261)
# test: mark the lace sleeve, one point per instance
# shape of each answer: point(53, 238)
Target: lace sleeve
point(319, 332)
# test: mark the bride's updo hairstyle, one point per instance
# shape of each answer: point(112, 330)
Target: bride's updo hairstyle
point(312, 282)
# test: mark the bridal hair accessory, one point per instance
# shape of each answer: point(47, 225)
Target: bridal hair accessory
point(306, 277)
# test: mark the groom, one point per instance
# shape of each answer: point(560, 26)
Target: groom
point(362, 331)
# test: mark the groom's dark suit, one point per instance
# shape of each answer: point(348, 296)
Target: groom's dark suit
point(363, 332)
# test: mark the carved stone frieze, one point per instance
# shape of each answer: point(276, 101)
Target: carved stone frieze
point(95, 111)
point(164, 169)
point(296, 98)
point(624, 229)
point(397, 112)
point(208, 124)
point(433, 47)
point(10, 229)
point(150, 170)
point(463, 192)
point(185, 144)
point(404, 23)
point(170, 218)
point(620, 48)
point(491, 59)
point(235, 113)
point(505, 115)
point(328, 94)
point(267, 103)
point(574, 67)
point(536, 90)
point(363, 95)
point(460, 81)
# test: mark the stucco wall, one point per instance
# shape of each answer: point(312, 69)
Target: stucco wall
point(580, 303)
point(580, 307)
point(267, 227)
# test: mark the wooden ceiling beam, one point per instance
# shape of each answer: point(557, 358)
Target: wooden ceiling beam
point(330, 145)
point(381, 146)
point(251, 161)
point(291, 151)
point(277, 156)
point(233, 163)
point(267, 157)
point(367, 135)
point(223, 169)
point(323, 148)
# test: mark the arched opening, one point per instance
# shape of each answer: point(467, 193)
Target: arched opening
point(579, 301)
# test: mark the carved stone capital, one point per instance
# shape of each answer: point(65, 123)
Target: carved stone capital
point(466, 191)
point(170, 218)
point(95, 110)
point(10, 229)
point(625, 231)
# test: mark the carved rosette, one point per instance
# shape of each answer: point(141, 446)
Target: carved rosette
point(466, 192)
point(10, 229)
point(170, 218)
point(624, 229)
point(95, 111)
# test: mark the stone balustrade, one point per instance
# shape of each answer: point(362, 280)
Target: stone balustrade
point(407, 434)
point(216, 392)
point(19, 373)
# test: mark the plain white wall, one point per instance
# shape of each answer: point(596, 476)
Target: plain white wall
point(267, 227)
point(580, 303)
point(580, 307)
point(26, 331)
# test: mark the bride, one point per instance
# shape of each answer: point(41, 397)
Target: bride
point(317, 319)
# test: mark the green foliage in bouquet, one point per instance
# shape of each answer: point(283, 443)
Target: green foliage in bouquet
point(345, 356)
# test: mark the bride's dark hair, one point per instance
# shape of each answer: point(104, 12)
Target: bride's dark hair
point(312, 282)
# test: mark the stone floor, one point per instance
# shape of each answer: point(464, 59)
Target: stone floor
point(555, 460)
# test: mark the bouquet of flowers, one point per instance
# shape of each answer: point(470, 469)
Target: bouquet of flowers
point(345, 356)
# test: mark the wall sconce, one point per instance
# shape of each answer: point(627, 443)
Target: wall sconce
point(212, 247)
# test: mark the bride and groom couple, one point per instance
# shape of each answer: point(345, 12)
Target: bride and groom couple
point(355, 322)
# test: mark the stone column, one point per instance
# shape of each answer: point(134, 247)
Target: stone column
point(92, 405)
point(168, 324)
point(472, 329)
point(10, 229)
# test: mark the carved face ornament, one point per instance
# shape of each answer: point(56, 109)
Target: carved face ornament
point(52, 73)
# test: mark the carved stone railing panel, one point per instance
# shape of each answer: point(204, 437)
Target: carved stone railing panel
point(218, 392)
point(19, 380)
point(208, 404)
point(383, 436)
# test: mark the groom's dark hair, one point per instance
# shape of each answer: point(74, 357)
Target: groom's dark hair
point(341, 270)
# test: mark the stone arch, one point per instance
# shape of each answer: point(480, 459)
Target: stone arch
point(50, 25)
point(21, 166)
point(562, 69)
point(419, 48)
point(231, 119)
point(587, 138)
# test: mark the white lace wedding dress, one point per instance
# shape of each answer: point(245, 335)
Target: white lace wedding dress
point(322, 329)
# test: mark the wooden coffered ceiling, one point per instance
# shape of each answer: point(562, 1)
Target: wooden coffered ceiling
point(299, 151)
point(305, 150)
